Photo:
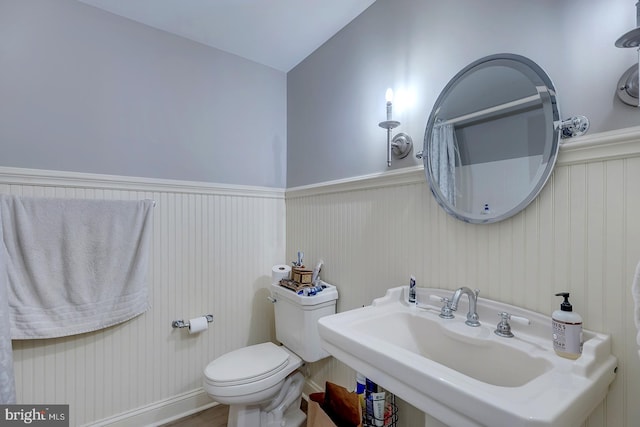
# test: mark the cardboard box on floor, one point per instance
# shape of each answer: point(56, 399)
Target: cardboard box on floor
point(336, 407)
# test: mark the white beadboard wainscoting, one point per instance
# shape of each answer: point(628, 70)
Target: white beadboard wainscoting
point(214, 245)
point(582, 234)
point(212, 253)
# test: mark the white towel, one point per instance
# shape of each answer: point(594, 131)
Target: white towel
point(7, 379)
point(635, 292)
point(74, 266)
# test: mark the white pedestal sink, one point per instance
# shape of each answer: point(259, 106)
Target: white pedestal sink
point(468, 376)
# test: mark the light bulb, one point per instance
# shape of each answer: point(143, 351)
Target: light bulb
point(388, 96)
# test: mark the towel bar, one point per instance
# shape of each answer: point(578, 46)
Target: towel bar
point(183, 324)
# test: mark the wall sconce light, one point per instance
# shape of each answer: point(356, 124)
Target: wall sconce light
point(401, 144)
point(629, 83)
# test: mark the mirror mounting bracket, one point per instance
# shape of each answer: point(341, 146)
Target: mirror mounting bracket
point(573, 126)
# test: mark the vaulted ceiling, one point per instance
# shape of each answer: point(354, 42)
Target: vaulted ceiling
point(276, 33)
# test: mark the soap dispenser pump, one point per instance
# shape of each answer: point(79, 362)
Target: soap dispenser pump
point(567, 329)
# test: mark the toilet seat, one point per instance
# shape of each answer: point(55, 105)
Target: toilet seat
point(247, 365)
point(249, 374)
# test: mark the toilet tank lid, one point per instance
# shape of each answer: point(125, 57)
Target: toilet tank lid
point(247, 364)
point(329, 293)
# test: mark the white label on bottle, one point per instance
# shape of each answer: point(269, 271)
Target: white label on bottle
point(567, 337)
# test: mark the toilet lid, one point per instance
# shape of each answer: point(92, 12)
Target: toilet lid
point(247, 364)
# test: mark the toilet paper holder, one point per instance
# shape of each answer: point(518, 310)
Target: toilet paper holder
point(183, 324)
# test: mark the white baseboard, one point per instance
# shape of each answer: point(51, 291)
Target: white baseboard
point(168, 410)
point(161, 412)
point(311, 387)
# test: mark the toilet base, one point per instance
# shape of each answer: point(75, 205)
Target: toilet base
point(294, 417)
point(283, 411)
point(242, 416)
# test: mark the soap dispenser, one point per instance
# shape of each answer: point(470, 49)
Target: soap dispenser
point(567, 329)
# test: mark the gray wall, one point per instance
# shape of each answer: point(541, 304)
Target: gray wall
point(335, 96)
point(84, 90)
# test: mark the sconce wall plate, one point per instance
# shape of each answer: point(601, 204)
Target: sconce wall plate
point(630, 80)
point(401, 145)
point(628, 87)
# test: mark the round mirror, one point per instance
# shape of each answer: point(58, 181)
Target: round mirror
point(492, 139)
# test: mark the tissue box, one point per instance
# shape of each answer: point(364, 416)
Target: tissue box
point(301, 275)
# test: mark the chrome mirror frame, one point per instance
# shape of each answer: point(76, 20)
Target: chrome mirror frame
point(552, 123)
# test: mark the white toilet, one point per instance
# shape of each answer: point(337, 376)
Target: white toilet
point(260, 383)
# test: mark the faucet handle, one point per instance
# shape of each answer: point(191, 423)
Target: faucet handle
point(445, 312)
point(504, 328)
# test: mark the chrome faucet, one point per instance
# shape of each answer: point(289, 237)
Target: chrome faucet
point(472, 315)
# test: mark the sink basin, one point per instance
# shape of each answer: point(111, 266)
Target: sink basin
point(469, 376)
point(493, 362)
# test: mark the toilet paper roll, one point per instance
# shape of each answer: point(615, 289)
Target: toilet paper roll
point(198, 324)
point(279, 272)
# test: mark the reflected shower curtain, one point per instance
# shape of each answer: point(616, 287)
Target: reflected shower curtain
point(443, 160)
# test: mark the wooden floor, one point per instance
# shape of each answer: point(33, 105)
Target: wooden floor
point(212, 417)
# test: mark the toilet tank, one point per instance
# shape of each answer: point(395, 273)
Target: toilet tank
point(297, 319)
